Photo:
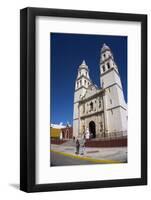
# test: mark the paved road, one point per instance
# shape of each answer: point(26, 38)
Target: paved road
point(61, 160)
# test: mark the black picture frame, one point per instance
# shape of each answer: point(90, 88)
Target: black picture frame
point(28, 99)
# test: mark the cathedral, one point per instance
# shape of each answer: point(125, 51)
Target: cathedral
point(102, 111)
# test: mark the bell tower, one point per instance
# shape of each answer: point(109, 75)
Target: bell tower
point(81, 84)
point(115, 107)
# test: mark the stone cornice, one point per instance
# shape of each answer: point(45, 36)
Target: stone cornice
point(110, 57)
point(119, 106)
point(91, 114)
point(91, 97)
point(83, 76)
point(76, 118)
point(113, 85)
point(111, 69)
point(81, 88)
point(101, 91)
point(108, 49)
point(83, 68)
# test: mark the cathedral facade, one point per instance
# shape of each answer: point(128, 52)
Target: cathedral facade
point(100, 110)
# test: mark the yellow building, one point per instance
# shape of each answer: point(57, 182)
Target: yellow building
point(55, 133)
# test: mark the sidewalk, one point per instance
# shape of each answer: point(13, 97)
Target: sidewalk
point(95, 155)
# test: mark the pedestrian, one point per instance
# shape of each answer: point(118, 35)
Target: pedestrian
point(87, 134)
point(83, 145)
point(77, 146)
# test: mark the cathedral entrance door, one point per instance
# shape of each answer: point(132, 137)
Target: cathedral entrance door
point(92, 129)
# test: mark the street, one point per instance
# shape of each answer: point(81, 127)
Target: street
point(64, 154)
point(61, 160)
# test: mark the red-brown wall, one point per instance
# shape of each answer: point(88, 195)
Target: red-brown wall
point(67, 133)
point(120, 142)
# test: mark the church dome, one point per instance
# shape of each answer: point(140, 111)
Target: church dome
point(105, 47)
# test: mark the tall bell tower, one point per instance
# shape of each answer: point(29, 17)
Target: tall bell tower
point(81, 84)
point(115, 107)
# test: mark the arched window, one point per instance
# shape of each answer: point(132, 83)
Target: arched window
point(77, 84)
point(80, 82)
point(85, 82)
point(103, 67)
point(99, 102)
point(108, 65)
point(91, 106)
point(86, 73)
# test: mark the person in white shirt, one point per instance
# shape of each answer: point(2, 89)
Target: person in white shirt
point(82, 145)
point(87, 134)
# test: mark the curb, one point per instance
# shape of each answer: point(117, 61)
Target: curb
point(93, 160)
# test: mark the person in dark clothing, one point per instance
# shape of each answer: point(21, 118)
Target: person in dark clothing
point(77, 146)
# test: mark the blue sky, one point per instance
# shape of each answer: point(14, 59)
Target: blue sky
point(67, 53)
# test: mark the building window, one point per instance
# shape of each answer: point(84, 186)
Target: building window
point(110, 101)
point(77, 84)
point(85, 82)
point(86, 73)
point(104, 55)
point(103, 67)
point(108, 65)
point(91, 106)
point(80, 82)
point(99, 102)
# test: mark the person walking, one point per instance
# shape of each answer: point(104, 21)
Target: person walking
point(77, 146)
point(82, 144)
point(87, 134)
